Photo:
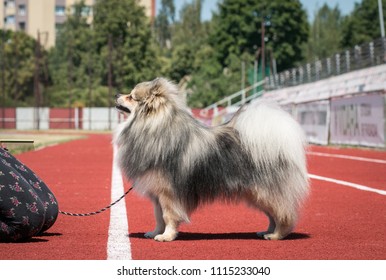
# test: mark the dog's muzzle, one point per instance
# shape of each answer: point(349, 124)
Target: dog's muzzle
point(119, 106)
point(122, 108)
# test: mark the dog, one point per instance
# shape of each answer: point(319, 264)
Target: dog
point(179, 163)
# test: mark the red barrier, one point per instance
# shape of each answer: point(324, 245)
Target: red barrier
point(8, 118)
point(66, 118)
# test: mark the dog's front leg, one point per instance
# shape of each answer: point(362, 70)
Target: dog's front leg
point(160, 223)
point(171, 218)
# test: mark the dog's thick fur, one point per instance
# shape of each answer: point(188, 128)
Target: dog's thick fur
point(258, 157)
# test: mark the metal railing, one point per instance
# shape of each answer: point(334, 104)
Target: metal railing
point(235, 99)
point(363, 56)
point(359, 57)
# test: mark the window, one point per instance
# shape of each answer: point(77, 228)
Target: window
point(86, 11)
point(22, 10)
point(60, 10)
point(9, 3)
point(22, 26)
point(10, 20)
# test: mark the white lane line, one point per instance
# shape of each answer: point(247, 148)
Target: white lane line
point(348, 157)
point(347, 184)
point(118, 243)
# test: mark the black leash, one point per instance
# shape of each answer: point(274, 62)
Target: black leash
point(62, 212)
point(99, 211)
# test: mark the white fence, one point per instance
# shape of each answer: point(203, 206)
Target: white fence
point(60, 118)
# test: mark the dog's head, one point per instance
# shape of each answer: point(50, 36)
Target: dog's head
point(149, 97)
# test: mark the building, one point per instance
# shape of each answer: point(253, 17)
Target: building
point(44, 17)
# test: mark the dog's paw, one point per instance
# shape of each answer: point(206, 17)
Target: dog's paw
point(165, 237)
point(261, 234)
point(268, 235)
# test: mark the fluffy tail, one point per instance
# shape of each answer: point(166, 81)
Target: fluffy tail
point(271, 134)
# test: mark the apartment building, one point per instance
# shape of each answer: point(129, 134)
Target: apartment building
point(44, 17)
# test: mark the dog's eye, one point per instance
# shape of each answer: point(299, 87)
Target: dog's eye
point(130, 97)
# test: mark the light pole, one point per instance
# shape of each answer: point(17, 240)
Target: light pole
point(3, 76)
point(381, 18)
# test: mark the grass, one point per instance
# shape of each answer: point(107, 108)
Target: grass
point(41, 139)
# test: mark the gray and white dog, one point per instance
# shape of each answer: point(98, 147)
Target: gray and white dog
point(258, 157)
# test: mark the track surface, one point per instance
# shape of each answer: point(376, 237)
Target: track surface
point(337, 222)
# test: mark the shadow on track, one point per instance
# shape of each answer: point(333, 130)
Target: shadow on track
point(37, 238)
point(189, 236)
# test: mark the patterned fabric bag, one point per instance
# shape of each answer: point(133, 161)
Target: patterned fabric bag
point(27, 206)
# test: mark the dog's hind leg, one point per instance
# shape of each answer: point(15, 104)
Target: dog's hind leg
point(271, 227)
point(280, 212)
point(160, 223)
point(282, 221)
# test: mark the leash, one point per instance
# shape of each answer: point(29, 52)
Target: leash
point(63, 212)
point(96, 212)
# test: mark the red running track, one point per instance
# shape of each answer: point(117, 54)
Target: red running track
point(337, 222)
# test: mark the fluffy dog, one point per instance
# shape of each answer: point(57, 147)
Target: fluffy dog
point(258, 157)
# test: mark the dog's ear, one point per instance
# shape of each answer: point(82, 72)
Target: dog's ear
point(142, 91)
point(157, 87)
point(162, 87)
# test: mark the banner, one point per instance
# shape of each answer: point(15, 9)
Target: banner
point(314, 119)
point(358, 120)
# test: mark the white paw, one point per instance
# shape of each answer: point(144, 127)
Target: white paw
point(165, 237)
point(269, 236)
point(261, 234)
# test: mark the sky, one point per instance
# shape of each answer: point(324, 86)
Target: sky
point(345, 6)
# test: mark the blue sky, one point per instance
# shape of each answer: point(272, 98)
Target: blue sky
point(345, 6)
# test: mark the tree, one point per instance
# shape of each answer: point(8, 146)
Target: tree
point(325, 33)
point(17, 67)
point(117, 45)
point(74, 63)
point(189, 36)
point(163, 23)
point(235, 38)
point(238, 29)
point(132, 51)
point(211, 82)
point(74, 43)
point(362, 25)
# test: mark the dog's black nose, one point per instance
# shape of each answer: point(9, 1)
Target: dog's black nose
point(117, 95)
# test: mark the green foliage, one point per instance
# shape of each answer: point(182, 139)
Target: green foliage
point(17, 59)
point(238, 29)
point(120, 39)
point(122, 47)
point(212, 82)
point(362, 25)
point(74, 63)
point(325, 33)
point(206, 84)
point(235, 36)
point(81, 97)
point(189, 36)
point(134, 56)
point(163, 22)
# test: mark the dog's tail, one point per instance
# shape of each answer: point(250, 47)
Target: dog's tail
point(272, 135)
